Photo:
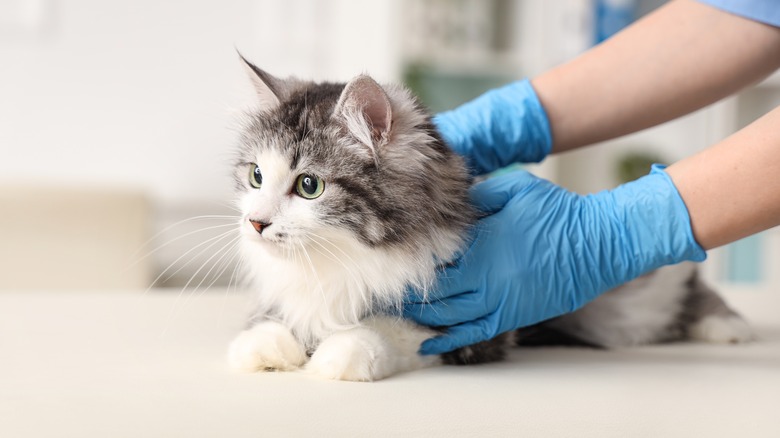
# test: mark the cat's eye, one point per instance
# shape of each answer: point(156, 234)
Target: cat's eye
point(255, 176)
point(309, 186)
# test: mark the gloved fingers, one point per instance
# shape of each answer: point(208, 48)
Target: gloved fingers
point(454, 310)
point(450, 281)
point(461, 335)
point(491, 195)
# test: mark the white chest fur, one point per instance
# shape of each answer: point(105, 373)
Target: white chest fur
point(331, 285)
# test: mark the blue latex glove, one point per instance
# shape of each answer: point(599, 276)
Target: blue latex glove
point(545, 251)
point(503, 126)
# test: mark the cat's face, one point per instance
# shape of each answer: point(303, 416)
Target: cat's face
point(299, 191)
point(284, 204)
point(303, 179)
point(333, 164)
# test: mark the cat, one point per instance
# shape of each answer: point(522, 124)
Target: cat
point(348, 197)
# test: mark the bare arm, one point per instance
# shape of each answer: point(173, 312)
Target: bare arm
point(732, 190)
point(678, 59)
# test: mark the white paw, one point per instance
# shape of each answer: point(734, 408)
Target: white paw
point(356, 355)
point(266, 346)
point(730, 329)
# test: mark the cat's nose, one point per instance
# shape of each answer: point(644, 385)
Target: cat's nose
point(259, 225)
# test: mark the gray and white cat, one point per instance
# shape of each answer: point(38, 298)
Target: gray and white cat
point(348, 196)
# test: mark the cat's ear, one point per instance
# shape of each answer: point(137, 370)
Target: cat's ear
point(269, 88)
point(366, 111)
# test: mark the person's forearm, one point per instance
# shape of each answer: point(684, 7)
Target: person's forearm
point(732, 190)
point(680, 58)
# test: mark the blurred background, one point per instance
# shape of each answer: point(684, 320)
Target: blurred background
point(117, 118)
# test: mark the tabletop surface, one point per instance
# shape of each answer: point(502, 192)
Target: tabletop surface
point(152, 364)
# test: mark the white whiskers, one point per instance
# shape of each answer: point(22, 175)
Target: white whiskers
point(211, 248)
point(209, 242)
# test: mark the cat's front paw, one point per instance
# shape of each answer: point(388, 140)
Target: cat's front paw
point(357, 355)
point(267, 346)
point(730, 329)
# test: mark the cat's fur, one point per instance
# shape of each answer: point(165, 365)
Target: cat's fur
point(330, 273)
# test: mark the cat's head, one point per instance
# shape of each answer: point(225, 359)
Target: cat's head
point(329, 164)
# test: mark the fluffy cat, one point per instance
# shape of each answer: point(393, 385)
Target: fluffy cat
point(348, 196)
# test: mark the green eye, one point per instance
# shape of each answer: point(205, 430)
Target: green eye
point(309, 186)
point(255, 176)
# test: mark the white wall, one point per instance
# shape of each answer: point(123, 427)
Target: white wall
point(327, 39)
point(122, 93)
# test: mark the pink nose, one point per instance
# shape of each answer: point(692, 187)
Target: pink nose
point(259, 225)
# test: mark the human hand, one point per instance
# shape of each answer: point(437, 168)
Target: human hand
point(545, 251)
point(499, 128)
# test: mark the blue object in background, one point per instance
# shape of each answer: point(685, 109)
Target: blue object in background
point(611, 16)
point(744, 260)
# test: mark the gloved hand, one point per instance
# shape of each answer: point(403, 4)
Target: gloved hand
point(499, 128)
point(545, 251)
